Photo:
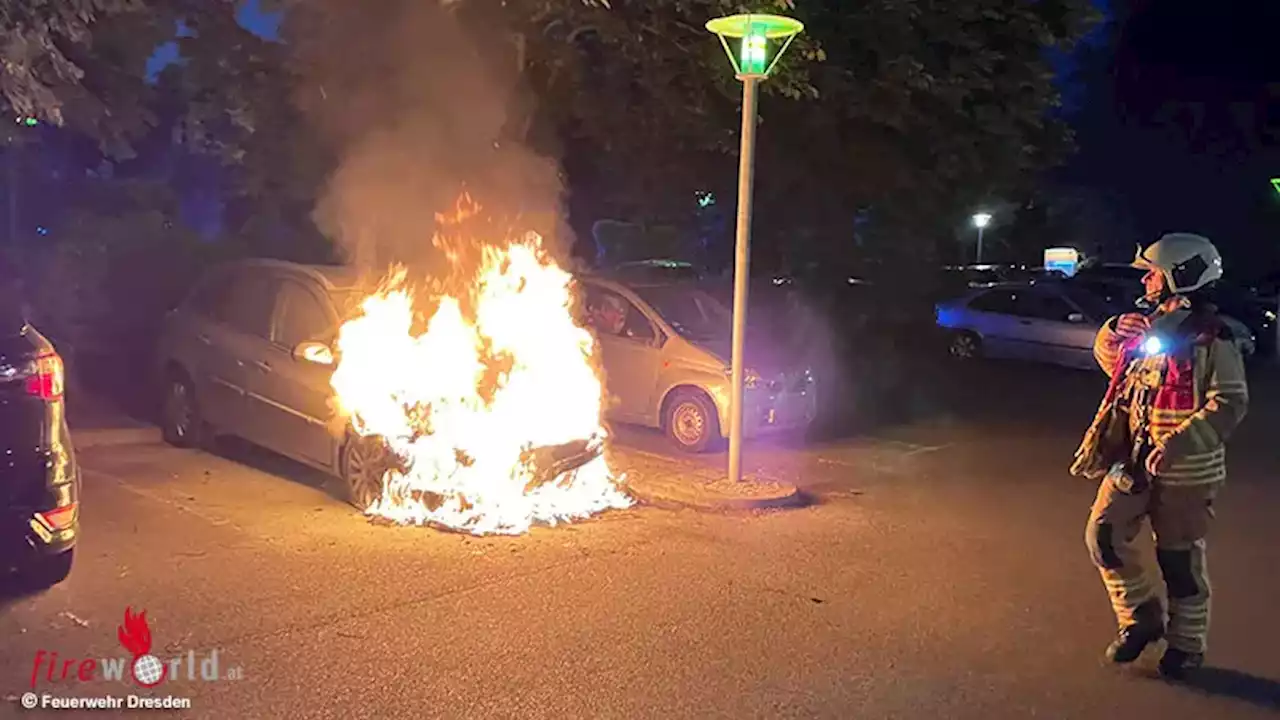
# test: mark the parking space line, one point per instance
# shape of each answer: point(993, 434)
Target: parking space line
point(126, 485)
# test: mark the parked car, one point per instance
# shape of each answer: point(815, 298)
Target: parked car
point(1049, 322)
point(40, 479)
point(250, 353)
point(1052, 321)
point(1251, 320)
point(665, 348)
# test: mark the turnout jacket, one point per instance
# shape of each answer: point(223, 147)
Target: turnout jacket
point(1198, 396)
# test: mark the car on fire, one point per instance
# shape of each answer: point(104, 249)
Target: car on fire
point(250, 353)
point(665, 350)
point(40, 478)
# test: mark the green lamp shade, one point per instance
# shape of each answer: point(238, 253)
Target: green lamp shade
point(755, 33)
point(1275, 183)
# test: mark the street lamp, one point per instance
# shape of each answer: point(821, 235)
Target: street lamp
point(980, 221)
point(753, 34)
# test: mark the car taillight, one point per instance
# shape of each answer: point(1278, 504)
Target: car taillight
point(58, 518)
point(46, 380)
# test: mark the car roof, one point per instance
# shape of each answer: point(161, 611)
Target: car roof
point(333, 278)
point(642, 283)
point(1020, 284)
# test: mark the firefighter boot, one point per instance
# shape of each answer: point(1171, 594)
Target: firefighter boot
point(1147, 627)
point(1176, 664)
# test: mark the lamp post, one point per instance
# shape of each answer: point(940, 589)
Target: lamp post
point(751, 64)
point(980, 221)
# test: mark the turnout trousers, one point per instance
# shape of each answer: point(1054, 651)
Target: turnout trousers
point(1180, 516)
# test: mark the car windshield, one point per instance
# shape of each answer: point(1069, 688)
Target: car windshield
point(693, 313)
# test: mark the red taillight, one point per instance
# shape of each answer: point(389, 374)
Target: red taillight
point(58, 518)
point(46, 380)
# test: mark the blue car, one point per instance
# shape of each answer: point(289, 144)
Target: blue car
point(1041, 321)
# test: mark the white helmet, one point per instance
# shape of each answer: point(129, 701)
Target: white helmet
point(1188, 262)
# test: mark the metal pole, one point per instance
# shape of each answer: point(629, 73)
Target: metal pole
point(980, 229)
point(12, 182)
point(741, 271)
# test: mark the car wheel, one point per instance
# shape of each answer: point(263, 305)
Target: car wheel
point(182, 424)
point(47, 571)
point(365, 461)
point(691, 421)
point(965, 346)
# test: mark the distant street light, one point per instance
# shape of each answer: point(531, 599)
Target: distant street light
point(751, 65)
point(980, 221)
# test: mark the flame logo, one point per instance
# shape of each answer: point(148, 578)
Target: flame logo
point(135, 636)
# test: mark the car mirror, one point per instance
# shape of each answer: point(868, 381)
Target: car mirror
point(314, 352)
point(1075, 317)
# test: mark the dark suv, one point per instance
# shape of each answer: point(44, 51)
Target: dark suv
point(39, 477)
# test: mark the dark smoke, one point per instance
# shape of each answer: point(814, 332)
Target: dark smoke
point(417, 109)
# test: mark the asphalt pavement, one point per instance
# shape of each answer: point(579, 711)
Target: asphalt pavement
point(939, 571)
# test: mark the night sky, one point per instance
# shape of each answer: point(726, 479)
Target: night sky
point(1176, 122)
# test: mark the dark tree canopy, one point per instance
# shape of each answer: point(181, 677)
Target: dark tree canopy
point(909, 110)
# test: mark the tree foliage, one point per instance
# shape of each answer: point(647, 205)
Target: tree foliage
point(908, 110)
point(80, 63)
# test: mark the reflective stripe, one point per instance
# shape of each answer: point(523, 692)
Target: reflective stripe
point(1189, 617)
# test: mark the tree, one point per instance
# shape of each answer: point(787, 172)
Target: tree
point(81, 63)
point(909, 111)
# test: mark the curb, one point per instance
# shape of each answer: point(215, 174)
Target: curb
point(110, 437)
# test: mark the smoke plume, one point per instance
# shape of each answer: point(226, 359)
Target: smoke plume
point(416, 109)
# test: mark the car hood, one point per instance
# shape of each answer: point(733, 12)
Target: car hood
point(765, 354)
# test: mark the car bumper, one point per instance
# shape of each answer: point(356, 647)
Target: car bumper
point(24, 538)
point(28, 534)
point(768, 413)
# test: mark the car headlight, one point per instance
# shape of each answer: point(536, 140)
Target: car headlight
point(750, 378)
point(1270, 315)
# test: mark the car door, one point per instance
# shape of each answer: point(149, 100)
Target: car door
point(199, 339)
point(247, 315)
point(994, 314)
point(295, 393)
point(1059, 332)
point(629, 352)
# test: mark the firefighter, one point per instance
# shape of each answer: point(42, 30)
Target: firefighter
point(1157, 444)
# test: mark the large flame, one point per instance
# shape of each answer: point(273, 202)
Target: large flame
point(501, 369)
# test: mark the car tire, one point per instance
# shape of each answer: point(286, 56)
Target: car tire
point(691, 422)
point(964, 346)
point(182, 424)
point(365, 460)
point(47, 571)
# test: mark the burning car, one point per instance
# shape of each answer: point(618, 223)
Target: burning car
point(482, 415)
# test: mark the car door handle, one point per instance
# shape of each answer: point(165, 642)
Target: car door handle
point(1024, 322)
point(204, 339)
point(264, 367)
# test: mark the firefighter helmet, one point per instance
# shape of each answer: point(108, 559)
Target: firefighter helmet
point(1188, 262)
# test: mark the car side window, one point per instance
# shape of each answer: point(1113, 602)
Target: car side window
point(1045, 306)
point(207, 300)
point(248, 303)
point(611, 314)
point(302, 317)
point(1000, 302)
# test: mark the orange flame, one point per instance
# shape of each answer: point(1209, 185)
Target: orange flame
point(502, 369)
